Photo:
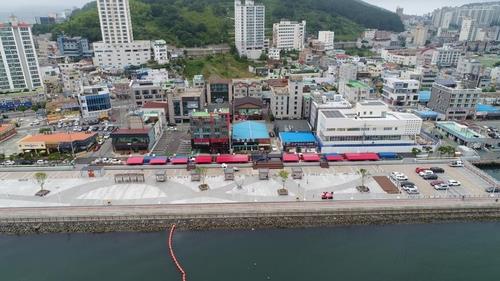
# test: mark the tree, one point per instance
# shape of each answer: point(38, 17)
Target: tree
point(283, 174)
point(415, 151)
point(363, 173)
point(40, 178)
point(446, 150)
point(202, 171)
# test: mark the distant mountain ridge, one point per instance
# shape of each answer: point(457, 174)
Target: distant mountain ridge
point(202, 22)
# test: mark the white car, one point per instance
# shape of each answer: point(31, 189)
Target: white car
point(411, 189)
point(441, 186)
point(223, 165)
point(9, 163)
point(398, 176)
point(425, 172)
point(106, 136)
point(41, 162)
point(457, 163)
point(115, 161)
point(453, 183)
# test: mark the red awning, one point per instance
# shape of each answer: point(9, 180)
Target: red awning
point(290, 157)
point(361, 156)
point(162, 160)
point(203, 159)
point(310, 157)
point(334, 157)
point(201, 141)
point(228, 158)
point(135, 160)
point(179, 160)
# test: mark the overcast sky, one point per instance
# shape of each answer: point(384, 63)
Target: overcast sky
point(410, 6)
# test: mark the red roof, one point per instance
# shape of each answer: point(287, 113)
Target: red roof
point(290, 157)
point(158, 161)
point(228, 158)
point(334, 157)
point(310, 157)
point(179, 160)
point(361, 156)
point(203, 159)
point(135, 160)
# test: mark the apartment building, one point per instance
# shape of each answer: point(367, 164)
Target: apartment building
point(453, 100)
point(355, 91)
point(289, 35)
point(249, 22)
point(247, 88)
point(401, 92)
point(160, 51)
point(446, 56)
point(327, 38)
point(287, 98)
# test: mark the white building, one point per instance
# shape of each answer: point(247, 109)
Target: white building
point(118, 48)
point(249, 22)
point(286, 100)
point(419, 35)
point(95, 102)
point(402, 57)
point(466, 31)
point(401, 92)
point(19, 68)
point(446, 56)
point(327, 38)
point(347, 71)
point(368, 127)
point(355, 91)
point(160, 51)
point(274, 54)
point(289, 35)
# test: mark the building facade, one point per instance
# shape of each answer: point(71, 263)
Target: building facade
point(182, 102)
point(327, 38)
point(19, 68)
point(369, 127)
point(286, 100)
point(247, 88)
point(401, 92)
point(160, 51)
point(95, 102)
point(75, 48)
point(452, 100)
point(210, 131)
point(289, 35)
point(249, 22)
point(219, 91)
point(446, 56)
point(355, 91)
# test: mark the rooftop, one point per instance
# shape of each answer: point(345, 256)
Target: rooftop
point(357, 84)
point(302, 137)
point(459, 130)
point(250, 130)
point(58, 137)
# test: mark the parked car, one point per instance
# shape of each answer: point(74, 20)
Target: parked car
point(8, 163)
point(425, 172)
point(437, 170)
point(436, 182)
point(442, 186)
point(397, 176)
point(26, 162)
point(457, 163)
point(430, 177)
point(42, 162)
point(492, 189)
point(327, 195)
point(420, 169)
point(454, 183)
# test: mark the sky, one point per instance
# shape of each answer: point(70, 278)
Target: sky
point(413, 7)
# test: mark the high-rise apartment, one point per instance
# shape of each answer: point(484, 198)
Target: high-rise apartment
point(289, 35)
point(249, 20)
point(118, 48)
point(467, 30)
point(19, 67)
point(327, 38)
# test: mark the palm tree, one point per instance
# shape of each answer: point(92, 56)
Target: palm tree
point(415, 151)
point(202, 171)
point(40, 178)
point(363, 173)
point(283, 174)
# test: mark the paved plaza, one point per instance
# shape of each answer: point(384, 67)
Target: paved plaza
point(71, 188)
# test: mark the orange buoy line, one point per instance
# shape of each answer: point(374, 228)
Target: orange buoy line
point(172, 253)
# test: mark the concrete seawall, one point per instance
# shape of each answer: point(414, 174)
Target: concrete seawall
point(295, 219)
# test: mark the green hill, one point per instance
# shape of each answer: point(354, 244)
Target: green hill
point(201, 22)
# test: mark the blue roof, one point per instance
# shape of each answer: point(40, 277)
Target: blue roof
point(427, 114)
point(486, 108)
point(302, 137)
point(424, 96)
point(251, 130)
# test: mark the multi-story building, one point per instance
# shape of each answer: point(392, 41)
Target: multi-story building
point(467, 30)
point(286, 99)
point(468, 68)
point(247, 88)
point(347, 71)
point(319, 100)
point(289, 35)
point(219, 91)
point(118, 48)
point(95, 102)
point(406, 57)
point(484, 14)
point(199, 81)
point(74, 48)
point(182, 102)
point(19, 68)
point(452, 100)
point(160, 51)
point(274, 53)
point(143, 91)
point(210, 130)
point(249, 22)
point(401, 92)
point(327, 38)
point(368, 127)
point(355, 91)
point(419, 35)
point(446, 56)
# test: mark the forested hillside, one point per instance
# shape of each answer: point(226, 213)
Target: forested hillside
point(201, 22)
